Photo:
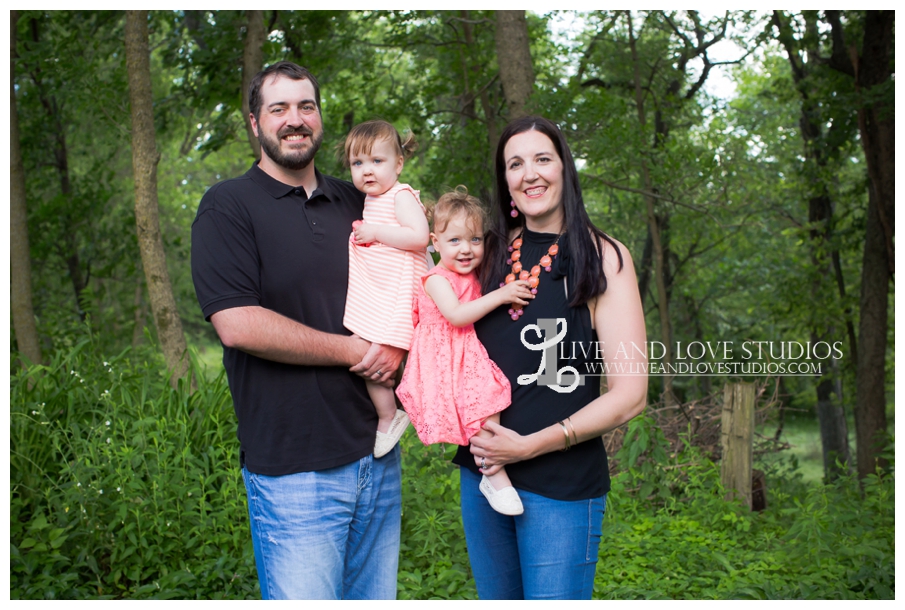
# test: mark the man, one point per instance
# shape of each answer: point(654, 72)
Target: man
point(270, 266)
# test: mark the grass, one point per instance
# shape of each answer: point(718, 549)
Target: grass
point(802, 432)
point(122, 487)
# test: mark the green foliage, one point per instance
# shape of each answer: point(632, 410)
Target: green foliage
point(433, 562)
point(122, 486)
point(680, 539)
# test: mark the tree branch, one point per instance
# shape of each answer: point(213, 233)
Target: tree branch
point(839, 59)
point(620, 187)
point(787, 40)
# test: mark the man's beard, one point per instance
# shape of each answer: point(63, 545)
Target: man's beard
point(295, 159)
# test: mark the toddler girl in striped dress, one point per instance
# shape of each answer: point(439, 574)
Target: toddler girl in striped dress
point(387, 257)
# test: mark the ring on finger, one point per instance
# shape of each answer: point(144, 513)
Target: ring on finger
point(483, 463)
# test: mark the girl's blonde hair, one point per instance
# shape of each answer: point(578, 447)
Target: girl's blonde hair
point(362, 137)
point(454, 203)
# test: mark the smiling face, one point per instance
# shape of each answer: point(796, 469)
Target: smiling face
point(289, 124)
point(375, 172)
point(460, 244)
point(534, 174)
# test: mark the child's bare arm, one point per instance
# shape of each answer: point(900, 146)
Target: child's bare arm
point(441, 292)
point(412, 235)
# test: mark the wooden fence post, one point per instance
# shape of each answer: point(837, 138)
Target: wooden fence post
point(737, 436)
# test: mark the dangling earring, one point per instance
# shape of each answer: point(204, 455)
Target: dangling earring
point(514, 212)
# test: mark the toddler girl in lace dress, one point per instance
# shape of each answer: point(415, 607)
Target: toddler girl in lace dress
point(450, 385)
point(387, 257)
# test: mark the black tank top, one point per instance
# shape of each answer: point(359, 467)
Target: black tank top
point(582, 472)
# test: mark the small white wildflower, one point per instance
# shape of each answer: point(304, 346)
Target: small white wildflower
point(119, 489)
point(168, 524)
point(190, 494)
point(78, 484)
point(108, 422)
point(34, 412)
point(108, 441)
point(100, 491)
point(106, 363)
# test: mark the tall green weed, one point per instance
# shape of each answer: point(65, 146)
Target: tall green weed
point(433, 558)
point(121, 486)
point(669, 533)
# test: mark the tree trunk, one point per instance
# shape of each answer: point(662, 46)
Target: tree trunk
point(252, 62)
point(833, 426)
point(144, 167)
point(653, 227)
point(877, 121)
point(877, 126)
point(138, 315)
point(471, 71)
point(21, 307)
point(830, 413)
point(644, 268)
point(68, 246)
point(514, 58)
point(870, 410)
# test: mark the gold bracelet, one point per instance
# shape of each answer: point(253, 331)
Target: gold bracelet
point(571, 427)
point(568, 440)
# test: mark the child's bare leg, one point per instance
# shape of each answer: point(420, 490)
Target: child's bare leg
point(391, 423)
point(499, 480)
point(384, 400)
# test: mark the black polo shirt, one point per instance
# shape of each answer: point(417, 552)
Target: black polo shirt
point(257, 241)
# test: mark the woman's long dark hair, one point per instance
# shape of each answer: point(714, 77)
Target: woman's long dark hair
point(586, 278)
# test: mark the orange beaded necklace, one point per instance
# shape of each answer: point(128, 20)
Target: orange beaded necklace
point(518, 271)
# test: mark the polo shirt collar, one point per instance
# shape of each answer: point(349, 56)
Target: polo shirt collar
point(277, 189)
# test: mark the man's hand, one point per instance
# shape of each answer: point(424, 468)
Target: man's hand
point(379, 364)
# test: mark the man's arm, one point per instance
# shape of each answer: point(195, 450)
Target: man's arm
point(266, 334)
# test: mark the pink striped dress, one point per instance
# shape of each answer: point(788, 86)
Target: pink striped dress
point(383, 280)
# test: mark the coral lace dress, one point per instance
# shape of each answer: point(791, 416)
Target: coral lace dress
point(450, 384)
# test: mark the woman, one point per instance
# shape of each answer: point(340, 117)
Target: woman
point(588, 312)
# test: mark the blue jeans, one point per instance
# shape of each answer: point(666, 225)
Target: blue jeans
point(548, 552)
point(328, 534)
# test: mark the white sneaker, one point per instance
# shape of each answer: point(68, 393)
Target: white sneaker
point(504, 501)
point(386, 441)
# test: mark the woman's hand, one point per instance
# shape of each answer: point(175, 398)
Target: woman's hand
point(498, 446)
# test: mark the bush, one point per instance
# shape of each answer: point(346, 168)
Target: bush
point(669, 533)
point(122, 487)
point(433, 559)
